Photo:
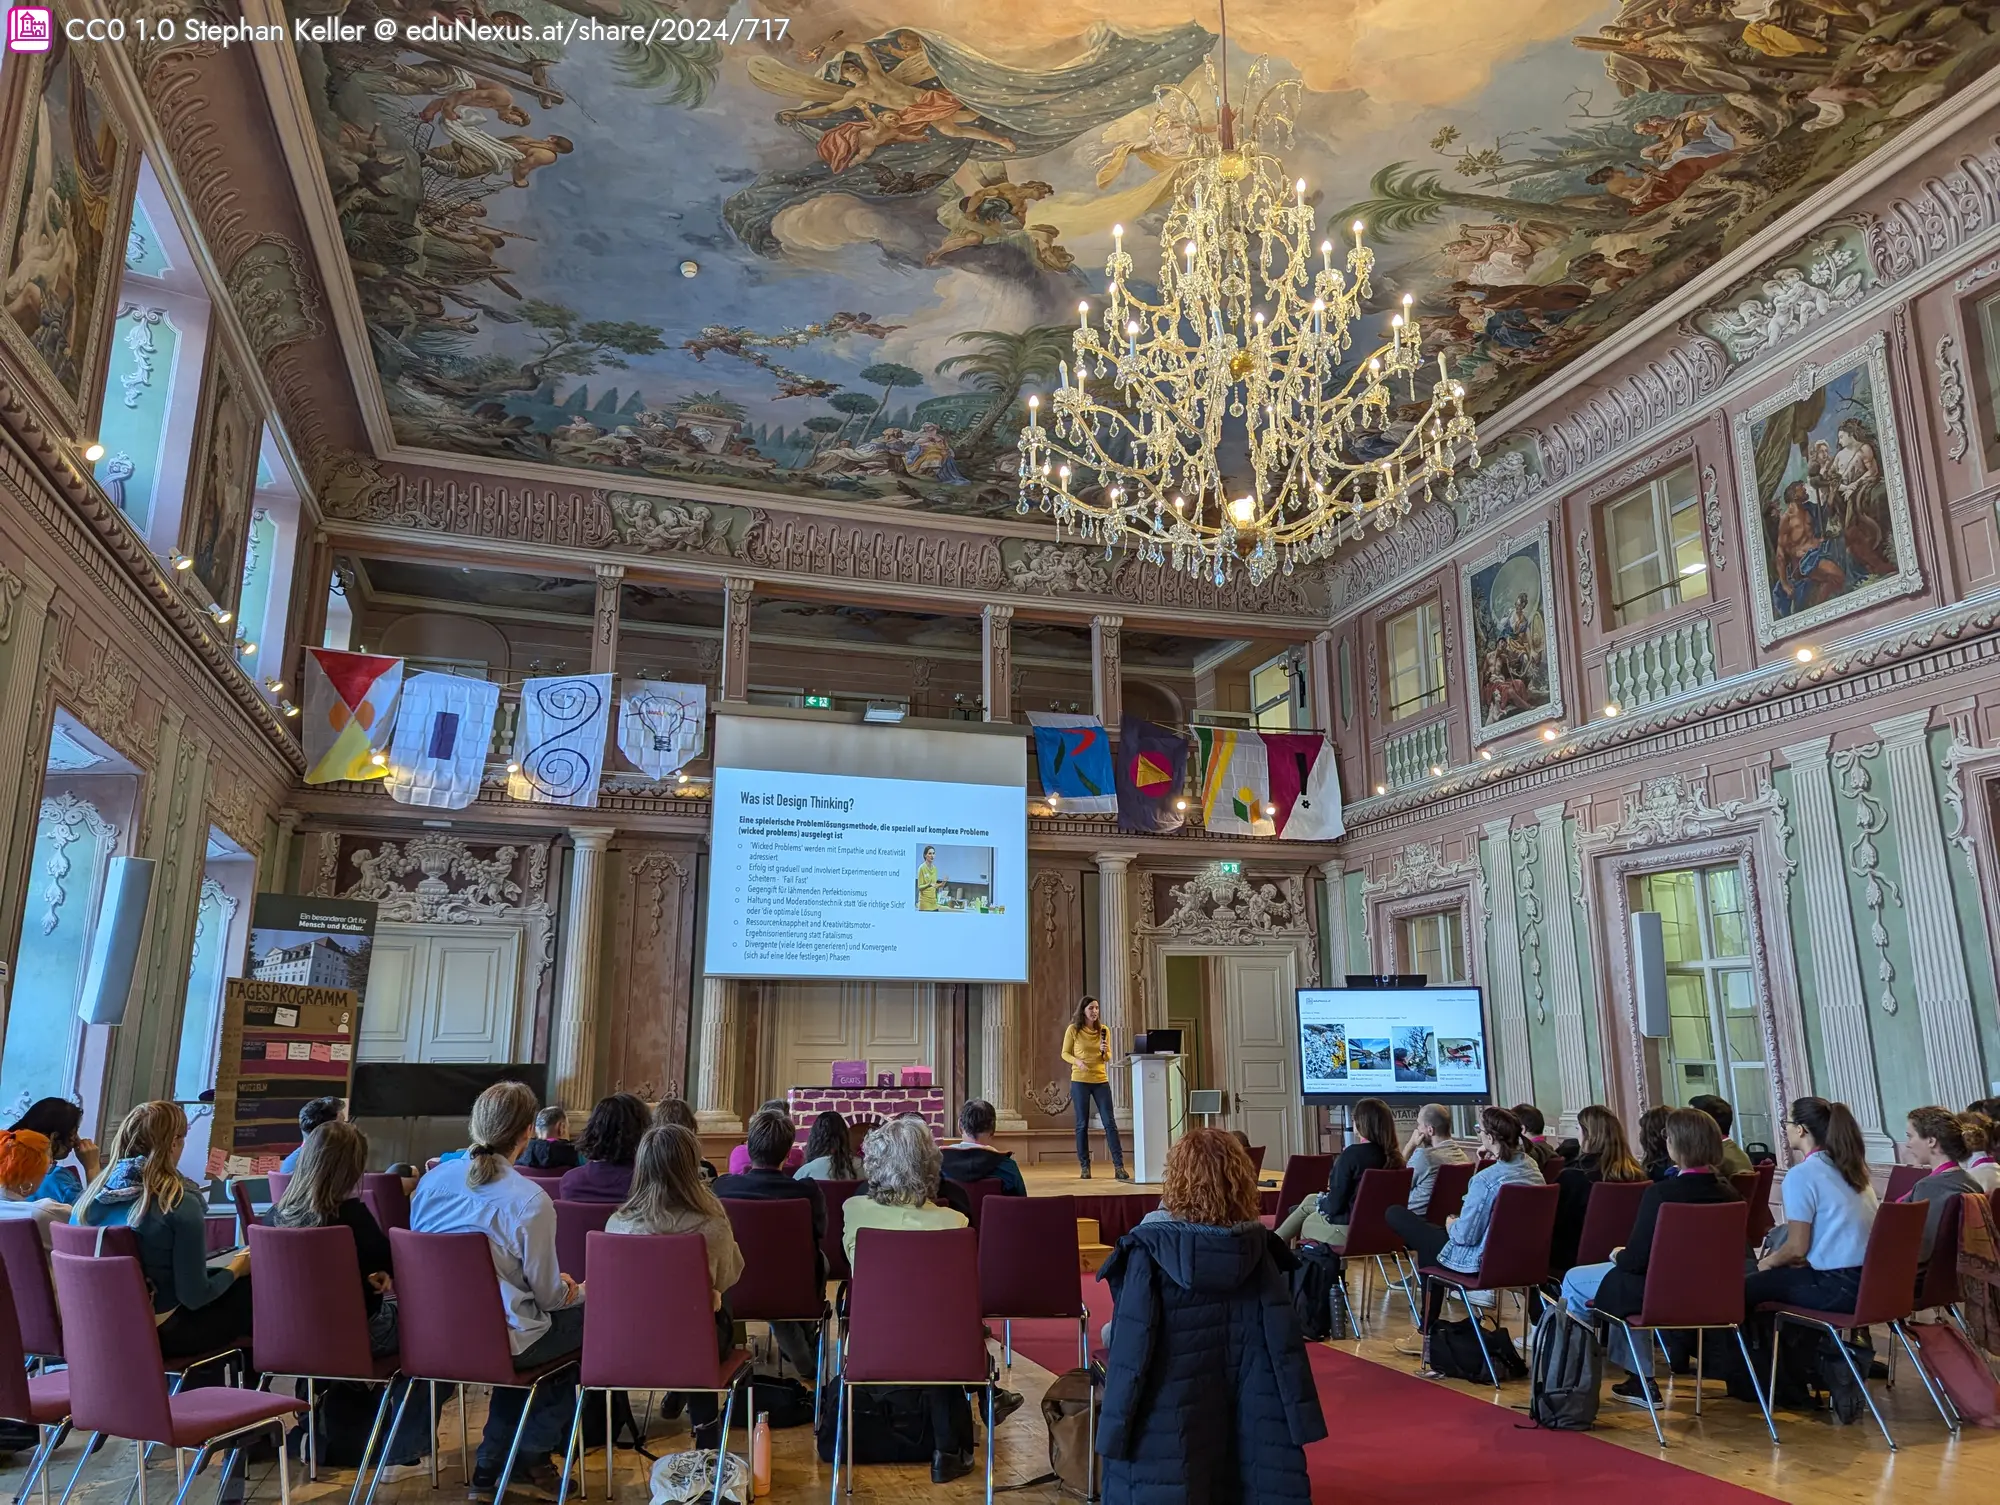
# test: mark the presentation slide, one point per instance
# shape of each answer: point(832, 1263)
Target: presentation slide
point(833, 874)
point(1420, 1043)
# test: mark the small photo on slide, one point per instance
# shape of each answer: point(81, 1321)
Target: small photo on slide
point(1326, 1052)
point(1416, 1054)
point(954, 880)
point(1368, 1055)
point(1459, 1054)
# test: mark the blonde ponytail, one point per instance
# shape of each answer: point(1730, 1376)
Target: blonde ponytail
point(502, 1116)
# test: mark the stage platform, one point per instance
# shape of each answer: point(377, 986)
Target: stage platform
point(1116, 1205)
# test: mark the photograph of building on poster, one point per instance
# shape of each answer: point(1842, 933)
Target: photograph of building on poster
point(313, 943)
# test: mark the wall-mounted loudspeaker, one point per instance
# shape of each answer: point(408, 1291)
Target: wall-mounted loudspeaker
point(114, 949)
point(1649, 974)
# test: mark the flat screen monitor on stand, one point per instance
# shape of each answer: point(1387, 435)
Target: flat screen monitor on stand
point(1405, 1045)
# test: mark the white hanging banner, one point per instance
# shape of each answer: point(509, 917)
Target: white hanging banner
point(661, 726)
point(444, 726)
point(559, 749)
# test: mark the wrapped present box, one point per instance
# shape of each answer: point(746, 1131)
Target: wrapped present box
point(850, 1074)
point(916, 1076)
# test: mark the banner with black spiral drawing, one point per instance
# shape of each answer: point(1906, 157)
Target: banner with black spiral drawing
point(559, 746)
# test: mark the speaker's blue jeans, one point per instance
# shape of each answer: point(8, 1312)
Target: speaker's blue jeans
point(1081, 1096)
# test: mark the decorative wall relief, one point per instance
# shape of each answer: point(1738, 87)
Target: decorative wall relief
point(63, 818)
point(1586, 578)
point(1508, 597)
point(646, 1000)
point(1951, 397)
point(1828, 273)
point(1621, 412)
point(1820, 473)
point(1419, 868)
point(1232, 909)
point(1939, 217)
point(1711, 511)
point(276, 295)
point(1528, 908)
point(1864, 858)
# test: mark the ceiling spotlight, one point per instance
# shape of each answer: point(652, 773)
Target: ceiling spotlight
point(1270, 809)
point(1486, 755)
point(1549, 734)
point(513, 768)
point(181, 561)
point(1612, 708)
point(274, 686)
point(379, 759)
point(288, 708)
point(93, 452)
point(222, 617)
point(1804, 655)
point(1180, 804)
point(1380, 789)
point(689, 268)
point(246, 650)
point(1437, 770)
point(681, 777)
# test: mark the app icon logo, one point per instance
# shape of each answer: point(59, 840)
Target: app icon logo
point(30, 28)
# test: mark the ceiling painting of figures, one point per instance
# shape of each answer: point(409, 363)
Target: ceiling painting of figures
point(888, 210)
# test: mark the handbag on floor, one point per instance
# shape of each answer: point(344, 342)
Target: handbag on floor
point(891, 1424)
point(1567, 1373)
point(1314, 1280)
point(1960, 1371)
point(1455, 1352)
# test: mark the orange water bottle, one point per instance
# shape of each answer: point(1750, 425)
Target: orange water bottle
point(760, 1456)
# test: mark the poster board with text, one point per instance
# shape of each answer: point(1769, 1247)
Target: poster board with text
point(283, 1044)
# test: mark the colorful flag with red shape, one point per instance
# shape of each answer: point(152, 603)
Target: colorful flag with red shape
point(1305, 786)
point(1151, 770)
point(1074, 755)
point(350, 710)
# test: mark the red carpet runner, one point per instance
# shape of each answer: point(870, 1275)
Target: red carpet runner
point(1399, 1440)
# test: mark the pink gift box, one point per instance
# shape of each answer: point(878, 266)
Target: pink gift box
point(916, 1076)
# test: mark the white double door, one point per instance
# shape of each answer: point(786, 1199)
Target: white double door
point(1253, 1013)
point(810, 1025)
point(443, 993)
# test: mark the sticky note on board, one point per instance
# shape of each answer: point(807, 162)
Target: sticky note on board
point(343, 1052)
point(322, 1051)
point(289, 1018)
point(299, 1050)
point(274, 1050)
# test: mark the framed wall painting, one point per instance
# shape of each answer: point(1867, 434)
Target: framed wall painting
point(216, 519)
point(64, 209)
point(1508, 597)
point(1826, 511)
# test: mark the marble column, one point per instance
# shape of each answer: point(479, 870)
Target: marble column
point(996, 643)
point(1320, 709)
point(1836, 963)
point(1000, 1012)
point(1565, 980)
point(737, 594)
point(1510, 1001)
point(573, 1035)
point(715, 1107)
point(1937, 952)
point(1107, 670)
point(1333, 945)
point(1114, 968)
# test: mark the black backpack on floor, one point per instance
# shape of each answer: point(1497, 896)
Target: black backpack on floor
point(892, 1424)
point(1455, 1353)
point(1567, 1373)
point(1315, 1299)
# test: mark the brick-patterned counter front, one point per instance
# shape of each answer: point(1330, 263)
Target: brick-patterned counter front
point(867, 1102)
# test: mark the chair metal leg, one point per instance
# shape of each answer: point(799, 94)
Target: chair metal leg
point(819, 1373)
point(433, 1403)
point(312, 1430)
point(1771, 1383)
point(989, 1442)
point(610, 1456)
point(1007, 1342)
point(1089, 1412)
point(139, 1452)
point(722, 1451)
point(1479, 1337)
point(229, 1461)
point(374, 1432)
point(395, 1427)
point(88, 1448)
point(464, 1432)
point(186, 1477)
point(569, 1447)
point(1862, 1380)
point(284, 1471)
point(1763, 1396)
point(38, 1466)
point(1632, 1351)
point(1700, 1359)
point(513, 1448)
point(1945, 1408)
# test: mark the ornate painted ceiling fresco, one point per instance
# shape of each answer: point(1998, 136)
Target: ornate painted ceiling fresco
point(892, 207)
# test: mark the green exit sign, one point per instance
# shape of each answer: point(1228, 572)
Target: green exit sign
point(819, 702)
point(1229, 868)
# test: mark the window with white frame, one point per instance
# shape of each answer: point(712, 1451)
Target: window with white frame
point(1432, 944)
point(1276, 689)
point(1653, 542)
point(1415, 650)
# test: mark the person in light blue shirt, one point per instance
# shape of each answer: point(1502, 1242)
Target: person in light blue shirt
point(61, 1121)
point(321, 1110)
point(481, 1192)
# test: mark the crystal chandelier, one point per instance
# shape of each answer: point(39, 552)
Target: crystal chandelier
point(1245, 356)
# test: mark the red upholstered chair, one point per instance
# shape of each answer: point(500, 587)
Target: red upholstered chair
point(309, 1322)
point(105, 1238)
point(1448, 1192)
point(1553, 1167)
point(453, 1330)
point(1028, 1266)
point(1305, 1176)
point(1694, 1279)
point(574, 1222)
point(26, 1263)
point(1516, 1256)
point(1257, 1158)
point(117, 1380)
point(913, 1319)
point(780, 1280)
point(386, 1199)
point(246, 1209)
point(1754, 1187)
point(278, 1181)
point(1887, 1297)
point(1608, 1216)
point(649, 1325)
point(976, 1193)
point(1901, 1179)
point(41, 1401)
point(1369, 1235)
point(835, 1195)
point(1937, 1285)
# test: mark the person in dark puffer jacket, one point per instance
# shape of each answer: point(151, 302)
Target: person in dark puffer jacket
point(1208, 1398)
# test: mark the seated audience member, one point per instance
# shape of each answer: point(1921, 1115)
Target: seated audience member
point(1535, 1138)
point(739, 1158)
point(551, 1149)
point(1934, 1141)
point(1734, 1160)
point(675, 1111)
point(770, 1138)
point(669, 1196)
point(1208, 1394)
point(1979, 1164)
point(1815, 1259)
point(24, 1167)
point(608, 1142)
point(1459, 1244)
point(1694, 1144)
point(321, 1110)
point(974, 1159)
point(1653, 1156)
point(903, 1175)
point(481, 1192)
point(1323, 1218)
point(321, 1195)
point(1430, 1146)
point(200, 1309)
point(1605, 1156)
point(61, 1121)
point(829, 1151)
